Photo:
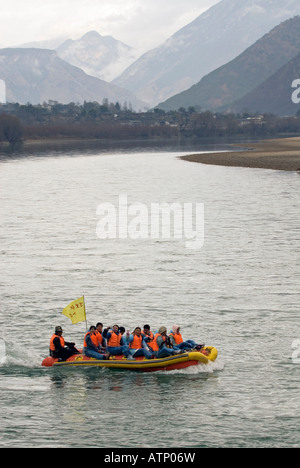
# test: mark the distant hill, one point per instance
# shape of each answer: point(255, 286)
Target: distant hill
point(100, 56)
point(210, 41)
point(39, 75)
point(275, 94)
point(232, 81)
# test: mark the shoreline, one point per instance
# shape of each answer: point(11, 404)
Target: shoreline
point(281, 154)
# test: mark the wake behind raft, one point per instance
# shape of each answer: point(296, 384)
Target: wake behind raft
point(179, 361)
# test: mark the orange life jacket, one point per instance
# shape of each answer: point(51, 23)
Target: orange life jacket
point(177, 337)
point(99, 338)
point(154, 345)
point(52, 346)
point(93, 338)
point(137, 342)
point(115, 340)
point(150, 339)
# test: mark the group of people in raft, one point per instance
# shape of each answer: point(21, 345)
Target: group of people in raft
point(114, 341)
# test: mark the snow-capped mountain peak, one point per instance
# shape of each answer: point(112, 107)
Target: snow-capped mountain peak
point(101, 56)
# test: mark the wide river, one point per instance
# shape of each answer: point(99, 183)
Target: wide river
point(239, 292)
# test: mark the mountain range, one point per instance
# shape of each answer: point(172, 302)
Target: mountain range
point(101, 56)
point(210, 41)
point(214, 62)
point(218, 90)
point(39, 75)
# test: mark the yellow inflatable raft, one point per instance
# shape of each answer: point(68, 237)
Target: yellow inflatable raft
point(179, 361)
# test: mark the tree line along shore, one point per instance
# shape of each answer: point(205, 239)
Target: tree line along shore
point(91, 120)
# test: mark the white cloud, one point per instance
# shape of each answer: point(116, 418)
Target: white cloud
point(139, 23)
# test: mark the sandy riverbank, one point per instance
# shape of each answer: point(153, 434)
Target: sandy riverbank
point(280, 154)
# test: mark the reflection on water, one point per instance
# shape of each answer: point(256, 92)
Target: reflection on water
point(87, 395)
point(88, 147)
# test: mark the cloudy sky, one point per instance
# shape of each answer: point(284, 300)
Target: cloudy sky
point(139, 23)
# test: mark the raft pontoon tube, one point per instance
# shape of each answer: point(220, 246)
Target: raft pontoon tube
point(178, 361)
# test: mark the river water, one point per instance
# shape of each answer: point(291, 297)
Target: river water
point(239, 293)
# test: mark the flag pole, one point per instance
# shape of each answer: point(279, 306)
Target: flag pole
point(86, 325)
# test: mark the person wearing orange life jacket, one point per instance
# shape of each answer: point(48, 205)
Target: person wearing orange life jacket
point(115, 342)
point(137, 344)
point(148, 336)
point(178, 343)
point(160, 344)
point(99, 334)
point(91, 345)
point(59, 348)
point(177, 340)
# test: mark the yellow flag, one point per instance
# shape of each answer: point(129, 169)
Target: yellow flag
point(76, 311)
